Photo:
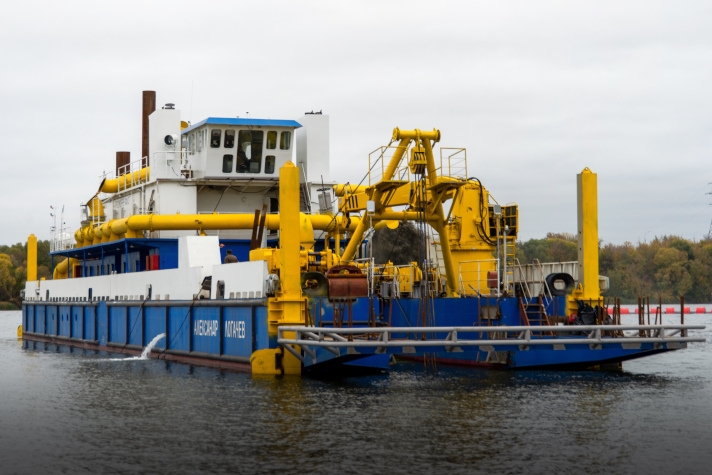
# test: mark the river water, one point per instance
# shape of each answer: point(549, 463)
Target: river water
point(71, 411)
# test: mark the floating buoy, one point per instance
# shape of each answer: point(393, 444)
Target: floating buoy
point(669, 310)
point(700, 310)
point(625, 311)
point(19, 331)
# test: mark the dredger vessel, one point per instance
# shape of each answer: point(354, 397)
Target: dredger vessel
point(305, 295)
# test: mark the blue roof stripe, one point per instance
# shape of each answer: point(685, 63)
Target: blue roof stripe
point(246, 121)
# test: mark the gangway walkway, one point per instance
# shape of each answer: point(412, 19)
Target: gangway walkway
point(404, 340)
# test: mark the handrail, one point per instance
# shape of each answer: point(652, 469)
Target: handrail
point(523, 337)
point(599, 334)
point(462, 289)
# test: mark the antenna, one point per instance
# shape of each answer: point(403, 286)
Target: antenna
point(192, 87)
point(709, 232)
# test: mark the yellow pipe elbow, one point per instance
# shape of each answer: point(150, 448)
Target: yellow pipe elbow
point(344, 189)
point(399, 134)
point(61, 269)
point(124, 181)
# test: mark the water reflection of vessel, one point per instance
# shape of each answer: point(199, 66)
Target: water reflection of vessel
point(149, 259)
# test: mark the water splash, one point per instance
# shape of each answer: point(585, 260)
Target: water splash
point(146, 351)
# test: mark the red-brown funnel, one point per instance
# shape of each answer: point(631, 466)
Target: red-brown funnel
point(149, 105)
point(122, 159)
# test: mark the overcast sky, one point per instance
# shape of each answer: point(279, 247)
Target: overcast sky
point(535, 90)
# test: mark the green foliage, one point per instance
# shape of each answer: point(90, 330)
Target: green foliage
point(666, 268)
point(554, 248)
point(401, 246)
point(13, 270)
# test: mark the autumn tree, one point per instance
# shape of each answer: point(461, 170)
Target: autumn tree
point(7, 278)
point(401, 246)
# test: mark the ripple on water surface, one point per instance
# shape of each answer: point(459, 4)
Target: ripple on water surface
point(74, 411)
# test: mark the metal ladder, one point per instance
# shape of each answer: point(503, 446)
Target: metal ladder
point(304, 195)
point(509, 244)
point(533, 313)
point(438, 257)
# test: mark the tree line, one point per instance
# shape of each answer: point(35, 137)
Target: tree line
point(665, 268)
point(13, 271)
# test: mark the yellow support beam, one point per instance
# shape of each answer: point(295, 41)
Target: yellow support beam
point(438, 213)
point(288, 306)
point(587, 194)
point(32, 257)
point(289, 232)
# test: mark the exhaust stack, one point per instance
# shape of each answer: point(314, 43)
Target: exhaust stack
point(122, 160)
point(149, 105)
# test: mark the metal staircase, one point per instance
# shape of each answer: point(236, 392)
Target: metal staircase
point(533, 313)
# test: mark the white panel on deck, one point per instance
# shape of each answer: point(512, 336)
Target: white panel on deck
point(198, 251)
point(313, 147)
point(241, 277)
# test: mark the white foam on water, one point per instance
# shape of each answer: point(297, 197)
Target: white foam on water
point(146, 351)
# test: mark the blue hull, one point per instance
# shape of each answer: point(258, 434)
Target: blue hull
point(221, 334)
point(467, 312)
point(225, 333)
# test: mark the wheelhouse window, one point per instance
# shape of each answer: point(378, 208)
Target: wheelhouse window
point(271, 140)
point(200, 140)
point(229, 138)
point(249, 151)
point(227, 163)
point(191, 143)
point(269, 164)
point(215, 138)
point(285, 140)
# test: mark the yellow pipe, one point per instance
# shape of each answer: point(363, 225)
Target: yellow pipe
point(116, 228)
point(61, 269)
point(124, 181)
point(399, 134)
point(95, 207)
point(32, 257)
point(346, 189)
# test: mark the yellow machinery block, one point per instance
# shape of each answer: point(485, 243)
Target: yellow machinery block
point(274, 361)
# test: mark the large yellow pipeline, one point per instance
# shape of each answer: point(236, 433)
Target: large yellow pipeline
point(95, 208)
point(60, 270)
point(116, 228)
point(125, 181)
